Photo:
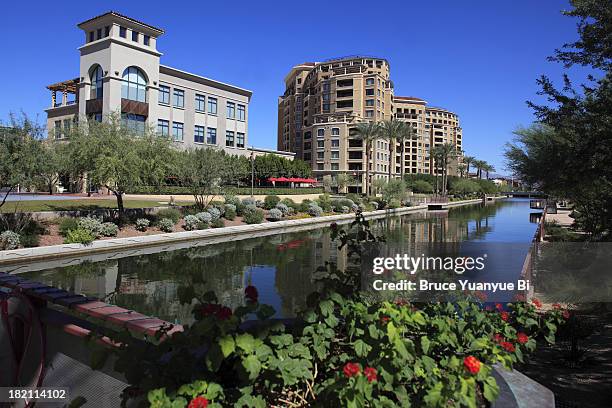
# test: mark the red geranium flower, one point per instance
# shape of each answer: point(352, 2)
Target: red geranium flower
point(536, 302)
point(384, 319)
point(505, 316)
point(498, 338)
point(370, 374)
point(566, 314)
point(471, 364)
point(522, 338)
point(224, 313)
point(198, 402)
point(351, 369)
point(509, 347)
point(251, 293)
point(499, 306)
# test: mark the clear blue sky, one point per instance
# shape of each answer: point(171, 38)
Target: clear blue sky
point(477, 58)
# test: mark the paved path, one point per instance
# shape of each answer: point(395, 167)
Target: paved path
point(562, 218)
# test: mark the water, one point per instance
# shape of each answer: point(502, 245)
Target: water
point(280, 266)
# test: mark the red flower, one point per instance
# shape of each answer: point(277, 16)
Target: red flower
point(251, 294)
point(224, 313)
point(385, 319)
point(351, 369)
point(505, 316)
point(566, 314)
point(499, 306)
point(213, 309)
point(556, 306)
point(522, 338)
point(498, 338)
point(509, 347)
point(471, 364)
point(536, 302)
point(198, 402)
point(370, 374)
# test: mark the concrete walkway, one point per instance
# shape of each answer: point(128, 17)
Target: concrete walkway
point(561, 218)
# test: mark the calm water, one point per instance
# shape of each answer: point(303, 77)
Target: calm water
point(280, 266)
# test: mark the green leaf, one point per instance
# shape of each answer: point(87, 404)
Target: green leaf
point(434, 395)
point(246, 342)
point(490, 389)
point(227, 345)
point(252, 365)
point(362, 348)
point(425, 343)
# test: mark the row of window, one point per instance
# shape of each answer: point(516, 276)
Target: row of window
point(201, 134)
point(202, 103)
point(105, 32)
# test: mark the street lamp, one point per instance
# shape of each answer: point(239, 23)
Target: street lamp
point(252, 172)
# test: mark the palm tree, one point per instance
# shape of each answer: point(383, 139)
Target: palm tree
point(407, 133)
point(479, 165)
point(391, 130)
point(461, 167)
point(487, 168)
point(443, 154)
point(367, 132)
point(468, 160)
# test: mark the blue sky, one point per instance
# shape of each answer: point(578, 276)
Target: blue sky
point(478, 58)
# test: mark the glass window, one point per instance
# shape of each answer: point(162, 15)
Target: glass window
point(99, 34)
point(178, 98)
point(335, 155)
point(370, 81)
point(134, 122)
point(91, 36)
point(177, 131)
point(369, 92)
point(212, 105)
point(231, 110)
point(98, 117)
point(134, 35)
point(335, 166)
point(67, 124)
point(320, 132)
point(321, 143)
point(164, 94)
point(198, 134)
point(320, 166)
point(200, 101)
point(229, 138)
point(97, 88)
point(335, 143)
point(241, 112)
point(369, 113)
point(239, 139)
point(335, 131)
point(320, 155)
point(122, 32)
point(58, 129)
point(163, 127)
point(106, 31)
point(134, 85)
point(146, 39)
point(211, 136)
point(369, 102)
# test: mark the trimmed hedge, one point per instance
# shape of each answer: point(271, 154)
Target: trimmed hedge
point(233, 190)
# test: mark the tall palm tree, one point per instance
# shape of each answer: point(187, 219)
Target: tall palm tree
point(461, 168)
point(444, 154)
point(479, 165)
point(468, 160)
point(390, 130)
point(367, 132)
point(487, 168)
point(407, 133)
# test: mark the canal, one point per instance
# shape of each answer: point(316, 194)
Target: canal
point(281, 266)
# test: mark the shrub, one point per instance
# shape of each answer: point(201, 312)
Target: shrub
point(191, 223)
point(343, 202)
point(30, 240)
point(283, 208)
point(169, 213)
point(142, 224)
point(109, 229)
point(166, 225)
point(259, 204)
point(67, 224)
point(344, 209)
point(275, 214)
point(325, 202)
point(79, 236)
point(219, 206)
point(355, 207)
point(394, 203)
point(248, 201)
point(214, 212)
point(290, 203)
point(421, 186)
point(270, 201)
point(253, 215)
point(356, 198)
point(230, 211)
point(90, 224)
point(315, 210)
point(204, 217)
point(9, 240)
point(218, 223)
point(304, 205)
point(232, 199)
point(380, 203)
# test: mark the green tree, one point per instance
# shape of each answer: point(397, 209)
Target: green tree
point(394, 189)
point(443, 155)
point(342, 181)
point(468, 160)
point(479, 165)
point(378, 184)
point(488, 168)
point(391, 130)
point(367, 132)
point(204, 171)
point(421, 186)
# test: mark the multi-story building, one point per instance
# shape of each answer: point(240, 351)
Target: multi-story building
point(323, 102)
point(120, 72)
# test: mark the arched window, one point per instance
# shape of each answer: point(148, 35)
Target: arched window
point(134, 85)
point(97, 88)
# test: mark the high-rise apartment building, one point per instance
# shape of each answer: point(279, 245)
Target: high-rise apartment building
point(323, 102)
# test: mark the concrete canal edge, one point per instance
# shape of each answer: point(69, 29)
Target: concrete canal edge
point(50, 252)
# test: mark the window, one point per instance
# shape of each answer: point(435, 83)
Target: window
point(200, 101)
point(231, 110)
point(123, 32)
point(146, 39)
point(134, 35)
point(212, 105)
point(229, 138)
point(320, 166)
point(67, 124)
point(241, 112)
point(335, 131)
point(369, 113)
point(239, 139)
point(370, 92)
point(211, 136)
point(178, 98)
point(163, 127)
point(320, 132)
point(91, 36)
point(321, 144)
point(134, 85)
point(98, 117)
point(370, 81)
point(335, 166)
point(97, 88)
point(58, 129)
point(177, 131)
point(134, 122)
point(106, 31)
point(335, 143)
point(198, 134)
point(307, 145)
point(99, 34)
point(320, 155)
point(369, 102)
point(335, 154)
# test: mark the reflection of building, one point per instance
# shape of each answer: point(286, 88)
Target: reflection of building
point(324, 101)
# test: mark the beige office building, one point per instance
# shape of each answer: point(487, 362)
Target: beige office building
point(324, 101)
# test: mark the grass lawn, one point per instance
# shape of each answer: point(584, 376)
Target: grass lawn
point(73, 205)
